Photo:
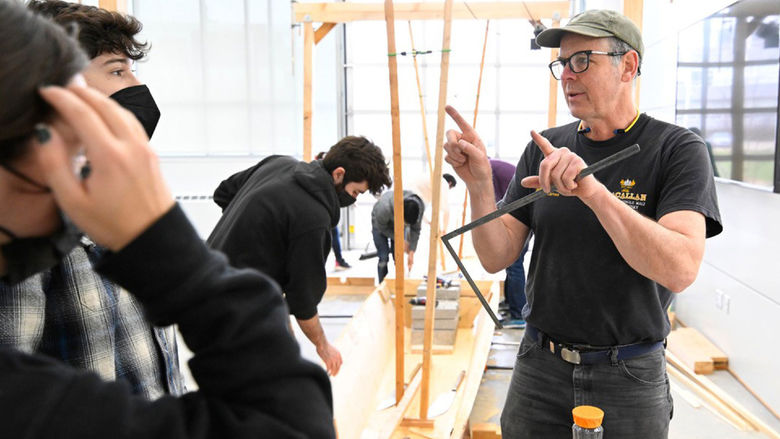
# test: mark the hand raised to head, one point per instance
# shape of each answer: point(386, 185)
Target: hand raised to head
point(125, 192)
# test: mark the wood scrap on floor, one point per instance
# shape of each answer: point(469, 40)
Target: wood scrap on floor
point(696, 351)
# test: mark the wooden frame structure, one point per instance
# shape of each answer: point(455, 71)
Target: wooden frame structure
point(329, 14)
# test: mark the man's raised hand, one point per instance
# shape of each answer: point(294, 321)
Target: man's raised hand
point(466, 152)
point(560, 169)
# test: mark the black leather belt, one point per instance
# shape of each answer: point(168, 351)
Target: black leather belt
point(575, 355)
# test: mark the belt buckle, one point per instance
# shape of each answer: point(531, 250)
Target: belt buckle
point(570, 355)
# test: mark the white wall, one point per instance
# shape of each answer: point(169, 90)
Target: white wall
point(227, 76)
point(735, 301)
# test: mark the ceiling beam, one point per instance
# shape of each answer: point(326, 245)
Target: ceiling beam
point(346, 12)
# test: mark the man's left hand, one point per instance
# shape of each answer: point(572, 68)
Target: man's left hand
point(560, 168)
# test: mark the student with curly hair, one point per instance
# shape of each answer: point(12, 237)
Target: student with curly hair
point(277, 217)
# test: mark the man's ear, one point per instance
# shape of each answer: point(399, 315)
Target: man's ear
point(338, 175)
point(631, 66)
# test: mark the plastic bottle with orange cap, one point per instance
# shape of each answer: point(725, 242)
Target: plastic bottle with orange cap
point(587, 422)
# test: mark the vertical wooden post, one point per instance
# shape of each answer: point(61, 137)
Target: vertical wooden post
point(634, 10)
point(552, 106)
point(398, 203)
point(474, 125)
point(308, 49)
point(431, 291)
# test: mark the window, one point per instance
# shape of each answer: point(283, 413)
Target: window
point(728, 69)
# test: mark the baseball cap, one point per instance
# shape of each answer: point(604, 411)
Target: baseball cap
point(597, 23)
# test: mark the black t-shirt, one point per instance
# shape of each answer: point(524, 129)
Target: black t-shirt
point(580, 289)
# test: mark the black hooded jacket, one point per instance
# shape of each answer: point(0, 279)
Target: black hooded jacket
point(277, 217)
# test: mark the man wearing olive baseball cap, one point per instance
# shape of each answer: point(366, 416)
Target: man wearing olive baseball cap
point(610, 249)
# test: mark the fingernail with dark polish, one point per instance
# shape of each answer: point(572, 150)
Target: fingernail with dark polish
point(42, 133)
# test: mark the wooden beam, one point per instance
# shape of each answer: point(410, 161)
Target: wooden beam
point(322, 31)
point(346, 12)
point(436, 195)
point(398, 203)
point(113, 5)
point(552, 106)
point(308, 53)
point(634, 9)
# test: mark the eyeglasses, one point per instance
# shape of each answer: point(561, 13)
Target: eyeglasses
point(578, 62)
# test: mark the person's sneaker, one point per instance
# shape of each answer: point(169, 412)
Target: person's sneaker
point(344, 264)
point(509, 323)
point(341, 266)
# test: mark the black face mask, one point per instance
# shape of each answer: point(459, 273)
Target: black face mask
point(345, 199)
point(25, 257)
point(139, 101)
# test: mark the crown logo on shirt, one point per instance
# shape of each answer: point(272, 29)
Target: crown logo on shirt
point(626, 185)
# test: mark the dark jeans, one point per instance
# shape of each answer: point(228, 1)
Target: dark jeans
point(335, 244)
point(514, 286)
point(633, 393)
point(384, 248)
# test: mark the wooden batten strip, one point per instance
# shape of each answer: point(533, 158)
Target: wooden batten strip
point(323, 30)
point(398, 204)
point(308, 61)
point(436, 195)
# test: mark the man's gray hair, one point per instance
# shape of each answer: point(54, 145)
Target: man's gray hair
point(620, 46)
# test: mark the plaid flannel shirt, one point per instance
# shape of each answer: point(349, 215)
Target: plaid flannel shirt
point(73, 314)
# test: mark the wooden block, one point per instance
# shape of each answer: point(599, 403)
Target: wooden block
point(485, 431)
point(696, 352)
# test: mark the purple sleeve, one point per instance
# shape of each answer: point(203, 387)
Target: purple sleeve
point(503, 173)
